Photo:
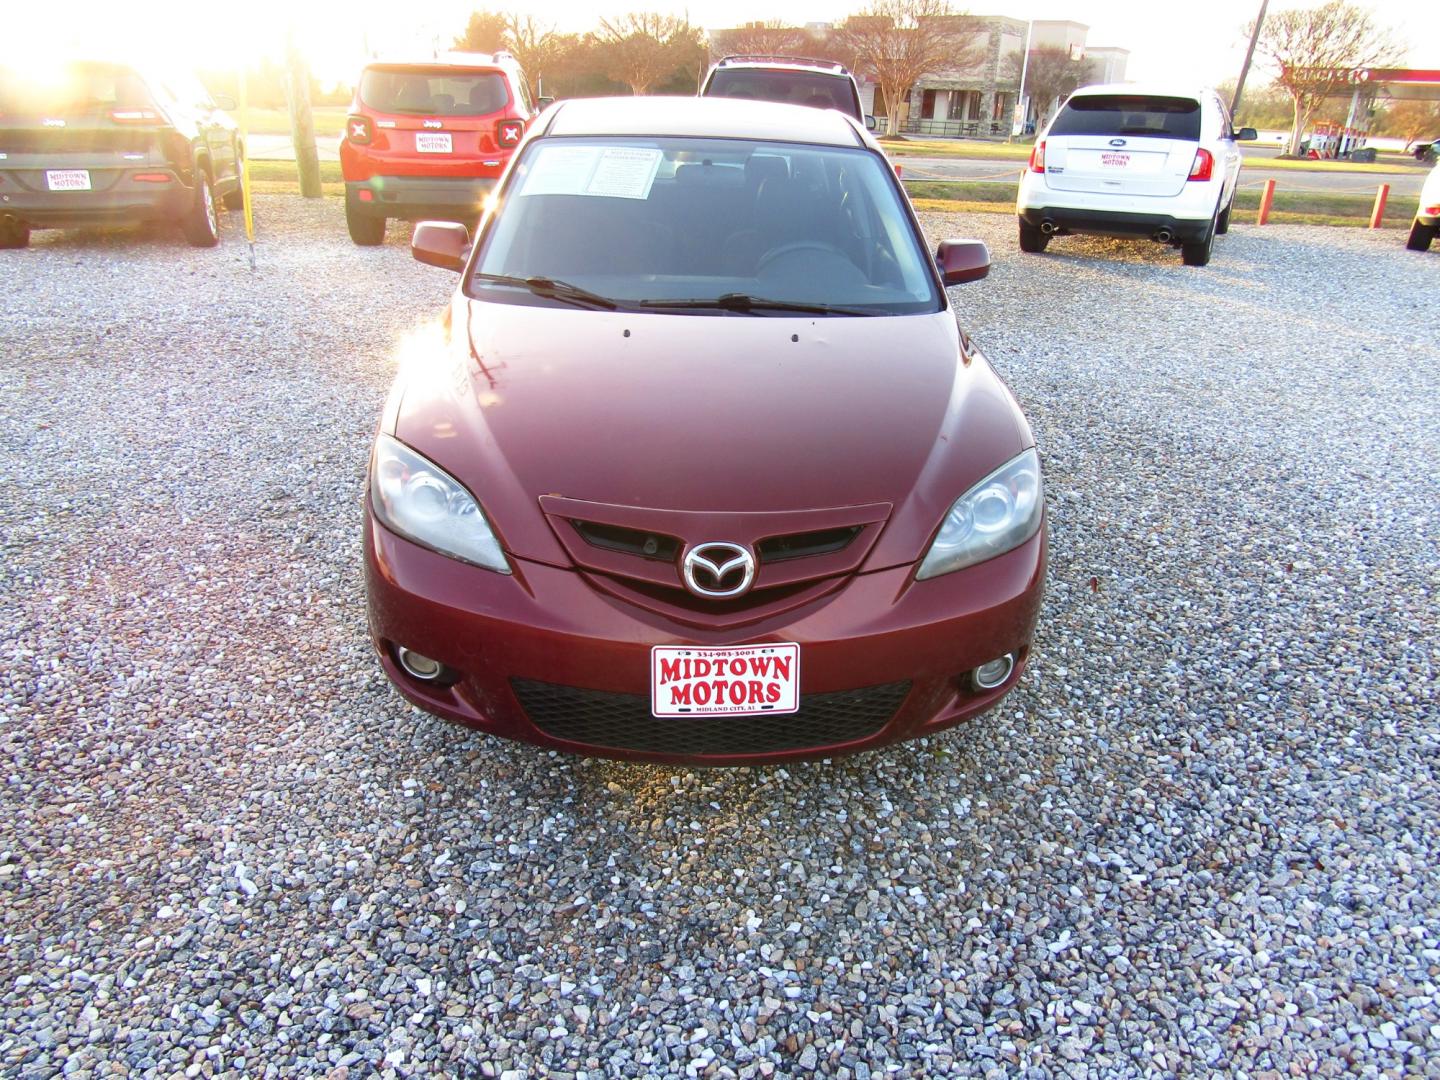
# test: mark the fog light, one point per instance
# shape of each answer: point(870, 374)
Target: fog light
point(421, 667)
point(988, 676)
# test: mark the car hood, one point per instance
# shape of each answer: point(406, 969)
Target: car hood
point(718, 415)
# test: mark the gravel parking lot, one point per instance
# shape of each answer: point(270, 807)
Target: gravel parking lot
point(1203, 835)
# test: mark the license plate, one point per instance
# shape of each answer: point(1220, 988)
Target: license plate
point(67, 179)
point(431, 143)
point(686, 681)
point(1130, 162)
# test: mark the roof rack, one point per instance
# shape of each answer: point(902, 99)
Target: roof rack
point(769, 58)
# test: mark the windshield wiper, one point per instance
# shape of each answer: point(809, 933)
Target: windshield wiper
point(556, 290)
point(745, 302)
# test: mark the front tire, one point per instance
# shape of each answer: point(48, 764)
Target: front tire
point(201, 223)
point(1032, 238)
point(1419, 240)
point(365, 231)
point(1222, 223)
point(15, 234)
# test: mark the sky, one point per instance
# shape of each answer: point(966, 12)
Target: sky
point(335, 37)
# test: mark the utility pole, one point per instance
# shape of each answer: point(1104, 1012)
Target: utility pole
point(302, 122)
point(1249, 54)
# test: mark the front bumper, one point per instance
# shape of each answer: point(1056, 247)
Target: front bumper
point(543, 657)
point(1114, 223)
point(418, 198)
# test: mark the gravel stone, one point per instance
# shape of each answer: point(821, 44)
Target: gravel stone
point(1200, 837)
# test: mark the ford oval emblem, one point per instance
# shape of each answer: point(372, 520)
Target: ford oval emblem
point(1117, 142)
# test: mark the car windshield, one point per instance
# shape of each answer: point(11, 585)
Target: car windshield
point(812, 88)
point(1129, 114)
point(652, 223)
point(422, 91)
point(75, 89)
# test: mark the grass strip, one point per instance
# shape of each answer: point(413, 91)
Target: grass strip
point(995, 151)
point(1299, 208)
point(329, 120)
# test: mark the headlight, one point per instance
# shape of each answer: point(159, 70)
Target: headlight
point(421, 501)
point(997, 514)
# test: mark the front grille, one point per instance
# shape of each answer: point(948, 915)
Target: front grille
point(655, 546)
point(624, 722)
point(803, 545)
point(663, 548)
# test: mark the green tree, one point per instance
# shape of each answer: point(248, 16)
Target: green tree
point(1412, 121)
point(485, 32)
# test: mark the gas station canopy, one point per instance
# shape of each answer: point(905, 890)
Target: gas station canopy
point(1399, 84)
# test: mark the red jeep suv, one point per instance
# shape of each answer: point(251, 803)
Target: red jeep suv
point(428, 139)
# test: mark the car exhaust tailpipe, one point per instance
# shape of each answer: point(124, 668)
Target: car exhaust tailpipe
point(1048, 228)
point(1163, 235)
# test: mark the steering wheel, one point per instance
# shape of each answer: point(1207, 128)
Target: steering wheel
point(812, 248)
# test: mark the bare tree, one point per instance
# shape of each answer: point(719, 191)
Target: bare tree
point(534, 44)
point(770, 38)
point(1412, 120)
point(645, 48)
point(1050, 75)
point(1316, 50)
point(898, 41)
point(485, 32)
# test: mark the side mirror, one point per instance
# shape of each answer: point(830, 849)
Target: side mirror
point(962, 260)
point(544, 101)
point(441, 243)
point(1246, 135)
point(224, 102)
point(870, 124)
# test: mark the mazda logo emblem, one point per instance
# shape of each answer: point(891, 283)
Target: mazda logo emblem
point(718, 570)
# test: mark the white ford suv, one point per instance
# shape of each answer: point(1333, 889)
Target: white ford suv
point(1427, 214)
point(1134, 160)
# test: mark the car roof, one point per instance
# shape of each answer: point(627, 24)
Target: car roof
point(445, 59)
point(704, 117)
point(784, 63)
point(1148, 89)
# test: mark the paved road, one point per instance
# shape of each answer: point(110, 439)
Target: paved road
point(1403, 181)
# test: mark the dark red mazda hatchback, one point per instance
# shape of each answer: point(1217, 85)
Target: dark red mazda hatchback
point(703, 469)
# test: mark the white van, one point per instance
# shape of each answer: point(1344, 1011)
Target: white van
point(1134, 160)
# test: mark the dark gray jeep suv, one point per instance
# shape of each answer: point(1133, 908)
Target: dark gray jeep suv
point(95, 143)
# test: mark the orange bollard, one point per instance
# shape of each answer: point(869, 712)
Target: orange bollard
point(1379, 212)
point(1267, 197)
point(899, 169)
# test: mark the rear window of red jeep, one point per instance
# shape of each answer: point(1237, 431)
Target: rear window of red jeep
point(425, 91)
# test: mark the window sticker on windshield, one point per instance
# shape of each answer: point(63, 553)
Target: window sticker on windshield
point(612, 171)
point(561, 170)
point(625, 173)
